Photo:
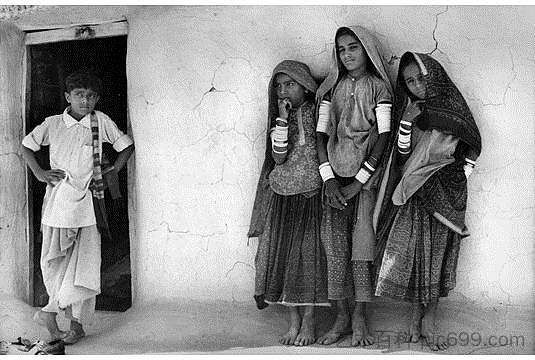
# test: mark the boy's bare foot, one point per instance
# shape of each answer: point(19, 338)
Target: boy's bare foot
point(361, 335)
point(73, 337)
point(306, 334)
point(434, 340)
point(415, 325)
point(75, 334)
point(293, 331)
point(48, 320)
point(340, 327)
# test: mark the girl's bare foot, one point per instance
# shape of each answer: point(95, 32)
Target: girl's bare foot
point(361, 335)
point(48, 320)
point(415, 326)
point(306, 334)
point(293, 331)
point(340, 325)
point(434, 340)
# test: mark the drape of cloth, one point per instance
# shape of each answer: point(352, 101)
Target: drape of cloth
point(432, 151)
point(418, 243)
point(290, 261)
point(349, 241)
point(420, 257)
point(70, 264)
point(300, 72)
point(446, 111)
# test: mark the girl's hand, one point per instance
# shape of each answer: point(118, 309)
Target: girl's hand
point(334, 195)
point(51, 177)
point(351, 190)
point(413, 110)
point(284, 108)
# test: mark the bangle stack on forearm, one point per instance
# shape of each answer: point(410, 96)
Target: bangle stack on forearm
point(404, 137)
point(367, 169)
point(279, 137)
point(469, 167)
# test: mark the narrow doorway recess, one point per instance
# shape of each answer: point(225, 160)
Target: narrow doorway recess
point(48, 66)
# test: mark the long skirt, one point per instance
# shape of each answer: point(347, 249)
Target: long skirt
point(70, 264)
point(290, 261)
point(419, 259)
point(348, 238)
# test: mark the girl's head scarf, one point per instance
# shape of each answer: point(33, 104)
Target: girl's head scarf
point(373, 50)
point(445, 108)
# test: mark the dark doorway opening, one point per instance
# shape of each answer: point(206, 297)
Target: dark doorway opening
point(48, 66)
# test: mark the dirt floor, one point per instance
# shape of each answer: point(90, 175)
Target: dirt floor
point(187, 327)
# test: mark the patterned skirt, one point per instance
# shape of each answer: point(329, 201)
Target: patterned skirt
point(418, 261)
point(341, 232)
point(290, 261)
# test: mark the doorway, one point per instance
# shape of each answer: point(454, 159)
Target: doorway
point(47, 67)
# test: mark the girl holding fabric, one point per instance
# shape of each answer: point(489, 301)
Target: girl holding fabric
point(353, 131)
point(290, 260)
point(424, 192)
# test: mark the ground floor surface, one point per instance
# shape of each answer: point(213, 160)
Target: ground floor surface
point(189, 327)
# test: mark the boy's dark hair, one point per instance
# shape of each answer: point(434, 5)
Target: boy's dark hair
point(83, 79)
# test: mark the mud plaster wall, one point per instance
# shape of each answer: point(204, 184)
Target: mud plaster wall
point(14, 257)
point(197, 83)
point(197, 93)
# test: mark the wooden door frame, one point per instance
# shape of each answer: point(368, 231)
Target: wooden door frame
point(67, 33)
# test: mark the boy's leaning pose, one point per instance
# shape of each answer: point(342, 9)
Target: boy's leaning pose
point(70, 256)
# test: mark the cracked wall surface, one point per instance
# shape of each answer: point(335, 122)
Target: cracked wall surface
point(197, 88)
point(197, 85)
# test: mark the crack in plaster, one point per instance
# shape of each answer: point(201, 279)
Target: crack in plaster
point(507, 87)
point(214, 89)
point(15, 153)
point(435, 29)
point(326, 48)
point(237, 263)
point(188, 232)
point(392, 60)
point(146, 101)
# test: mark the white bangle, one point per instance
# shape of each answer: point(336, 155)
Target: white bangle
point(326, 171)
point(404, 136)
point(363, 175)
point(279, 133)
point(406, 123)
point(383, 116)
point(469, 162)
point(468, 170)
point(324, 113)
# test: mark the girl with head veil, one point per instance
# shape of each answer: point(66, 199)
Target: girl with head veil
point(290, 260)
point(421, 218)
point(353, 129)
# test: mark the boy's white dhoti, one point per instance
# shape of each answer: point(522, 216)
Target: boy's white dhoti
point(70, 264)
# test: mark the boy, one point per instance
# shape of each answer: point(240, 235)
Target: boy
point(70, 255)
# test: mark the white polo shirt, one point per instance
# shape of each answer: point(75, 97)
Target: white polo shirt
point(69, 204)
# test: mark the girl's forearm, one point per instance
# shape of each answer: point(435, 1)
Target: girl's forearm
point(380, 145)
point(321, 143)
